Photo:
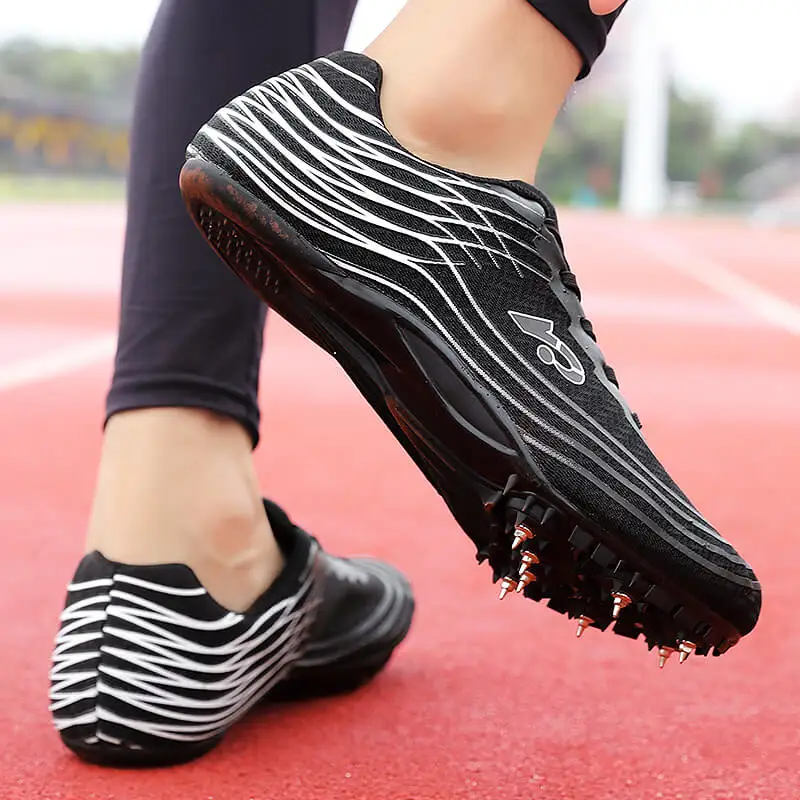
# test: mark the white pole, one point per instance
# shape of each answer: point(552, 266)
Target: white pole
point(369, 20)
point(643, 190)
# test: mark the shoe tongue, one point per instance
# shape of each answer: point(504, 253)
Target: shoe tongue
point(278, 518)
point(296, 545)
point(293, 541)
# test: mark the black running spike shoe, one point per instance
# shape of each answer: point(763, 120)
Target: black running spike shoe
point(148, 670)
point(448, 300)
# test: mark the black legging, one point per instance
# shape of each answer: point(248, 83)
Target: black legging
point(190, 334)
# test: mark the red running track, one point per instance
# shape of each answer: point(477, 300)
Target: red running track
point(485, 701)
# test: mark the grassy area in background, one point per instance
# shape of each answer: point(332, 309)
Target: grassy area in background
point(49, 188)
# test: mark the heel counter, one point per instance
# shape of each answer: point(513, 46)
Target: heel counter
point(77, 648)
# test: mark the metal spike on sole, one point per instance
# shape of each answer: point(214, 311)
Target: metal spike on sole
point(686, 649)
point(508, 585)
point(583, 624)
point(621, 602)
point(522, 534)
point(528, 560)
point(526, 579)
point(664, 654)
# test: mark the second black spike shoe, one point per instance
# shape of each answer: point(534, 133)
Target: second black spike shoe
point(148, 670)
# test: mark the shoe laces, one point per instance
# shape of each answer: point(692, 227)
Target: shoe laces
point(571, 282)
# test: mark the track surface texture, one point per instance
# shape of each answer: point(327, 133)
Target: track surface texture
point(485, 700)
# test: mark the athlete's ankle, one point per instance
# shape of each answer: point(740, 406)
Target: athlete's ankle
point(178, 486)
point(482, 98)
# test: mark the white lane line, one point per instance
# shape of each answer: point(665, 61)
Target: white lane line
point(57, 362)
point(661, 248)
point(671, 311)
point(746, 293)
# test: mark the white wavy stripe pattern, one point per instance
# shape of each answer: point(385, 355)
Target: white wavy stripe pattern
point(235, 149)
point(158, 664)
point(258, 157)
point(317, 179)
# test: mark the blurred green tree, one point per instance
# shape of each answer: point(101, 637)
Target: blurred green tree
point(97, 75)
point(581, 162)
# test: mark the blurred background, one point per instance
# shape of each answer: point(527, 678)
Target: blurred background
point(680, 159)
point(703, 88)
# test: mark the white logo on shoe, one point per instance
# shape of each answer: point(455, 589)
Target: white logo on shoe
point(552, 351)
point(346, 571)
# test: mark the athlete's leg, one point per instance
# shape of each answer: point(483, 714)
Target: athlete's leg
point(176, 481)
point(148, 667)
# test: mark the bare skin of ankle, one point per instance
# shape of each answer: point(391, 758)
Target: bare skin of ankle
point(605, 6)
point(474, 85)
point(178, 485)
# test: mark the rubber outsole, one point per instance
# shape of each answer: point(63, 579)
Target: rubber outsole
point(123, 755)
point(456, 432)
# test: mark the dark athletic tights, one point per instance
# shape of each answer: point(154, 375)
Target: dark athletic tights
point(190, 334)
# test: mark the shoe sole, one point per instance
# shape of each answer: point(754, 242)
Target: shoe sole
point(108, 754)
point(455, 430)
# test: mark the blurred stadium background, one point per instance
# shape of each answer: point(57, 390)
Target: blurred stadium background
point(715, 145)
